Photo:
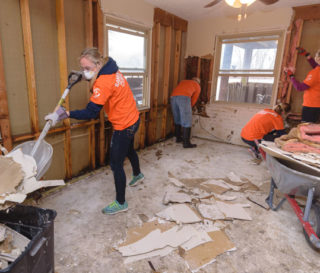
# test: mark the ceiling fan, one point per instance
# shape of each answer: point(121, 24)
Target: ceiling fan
point(239, 3)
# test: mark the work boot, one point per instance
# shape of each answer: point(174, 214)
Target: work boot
point(177, 128)
point(186, 138)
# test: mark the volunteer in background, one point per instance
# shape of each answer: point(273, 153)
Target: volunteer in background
point(267, 124)
point(183, 98)
point(111, 91)
point(310, 86)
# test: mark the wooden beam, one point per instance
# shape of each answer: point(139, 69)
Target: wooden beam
point(177, 54)
point(299, 24)
point(62, 52)
point(29, 62)
point(5, 129)
point(199, 68)
point(154, 84)
point(166, 74)
point(167, 19)
point(142, 130)
point(89, 43)
point(102, 137)
point(309, 12)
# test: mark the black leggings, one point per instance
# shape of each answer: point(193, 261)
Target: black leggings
point(310, 114)
point(268, 137)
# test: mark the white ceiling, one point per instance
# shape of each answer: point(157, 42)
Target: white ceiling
point(194, 9)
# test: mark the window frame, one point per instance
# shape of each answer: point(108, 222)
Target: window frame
point(120, 26)
point(238, 38)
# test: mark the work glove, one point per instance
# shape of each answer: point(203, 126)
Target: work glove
point(302, 51)
point(56, 116)
point(289, 72)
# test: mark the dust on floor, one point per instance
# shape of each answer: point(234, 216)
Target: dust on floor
point(85, 238)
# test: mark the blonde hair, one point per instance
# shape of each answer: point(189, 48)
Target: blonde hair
point(317, 56)
point(196, 79)
point(93, 54)
point(282, 108)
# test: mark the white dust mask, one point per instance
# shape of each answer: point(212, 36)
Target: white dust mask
point(88, 74)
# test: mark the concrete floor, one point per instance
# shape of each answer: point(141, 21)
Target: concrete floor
point(84, 237)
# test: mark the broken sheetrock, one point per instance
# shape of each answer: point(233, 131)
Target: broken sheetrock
point(202, 255)
point(14, 197)
point(221, 184)
point(159, 252)
point(176, 182)
point(234, 178)
point(156, 239)
point(180, 213)
point(210, 212)
point(31, 184)
point(11, 175)
point(235, 211)
point(173, 196)
point(134, 234)
point(225, 197)
point(27, 162)
point(259, 200)
point(198, 238)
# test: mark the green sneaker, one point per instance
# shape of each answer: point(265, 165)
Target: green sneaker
point(115, 207)
point(136, 180)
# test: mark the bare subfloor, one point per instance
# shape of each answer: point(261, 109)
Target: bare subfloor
point(84, 237)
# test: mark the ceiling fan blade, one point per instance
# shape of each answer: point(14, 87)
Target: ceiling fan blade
point(212, 3)
point(269, 2)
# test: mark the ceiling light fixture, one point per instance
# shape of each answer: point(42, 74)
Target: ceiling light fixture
point(240, 4)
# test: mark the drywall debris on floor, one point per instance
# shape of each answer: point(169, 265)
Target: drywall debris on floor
point(174, 195)
point(235, 211)
point(179, 213)
point(22, 181)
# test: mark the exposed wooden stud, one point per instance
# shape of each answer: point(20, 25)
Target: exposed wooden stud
point(4, 110)
point(19, 138)
point(167, 19)
point(210, 79)
point(89, 43)
point(177, 54)
point(293, 62)
point(199, 68)
point(166, 74)
point(62, 51)
point(142, 130)
point(29, 62)
point(154, 85)
point(102, 142)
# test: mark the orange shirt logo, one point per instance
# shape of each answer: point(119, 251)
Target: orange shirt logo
point(119, 80)
point(96, 93)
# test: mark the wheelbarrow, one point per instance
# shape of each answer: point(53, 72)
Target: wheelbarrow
point(293, 182)
point(39, 149)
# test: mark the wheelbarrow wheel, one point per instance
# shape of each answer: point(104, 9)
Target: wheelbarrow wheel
point(314, 220)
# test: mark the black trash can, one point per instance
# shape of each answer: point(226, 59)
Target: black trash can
point(37, 225)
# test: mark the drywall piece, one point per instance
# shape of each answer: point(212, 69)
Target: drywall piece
point(259, 200)
point(156, 239)
point(225, 197)
point(198, 238)
point(210, 212)
point(31, 184)
point(179, 213)
point(202, 255)
point(11, 175)
point(134, 234)
point(235, 211)
point(219, 183)
point(176, 197)
point(159, 252)
point(176, 182)
point(27, 162)
point(234, 178)
point(14, 197)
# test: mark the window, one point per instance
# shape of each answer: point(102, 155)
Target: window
point(128, 46)
point(247, 66)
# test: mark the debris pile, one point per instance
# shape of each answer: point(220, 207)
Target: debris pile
point(192, 223)
point(18, 178)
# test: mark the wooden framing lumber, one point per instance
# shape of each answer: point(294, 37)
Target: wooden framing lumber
point(167, 19)
point(310, 12)
point(29, 62)
point(89, 43)
point(4, 111)
point(177, 54)
point(154, 84)
point(62, 51)
point(142, 135)
point(166, 74)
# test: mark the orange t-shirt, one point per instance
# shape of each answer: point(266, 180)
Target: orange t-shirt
point(311, 96)
point(262, 123)
point(114, 93)
point(188, 88)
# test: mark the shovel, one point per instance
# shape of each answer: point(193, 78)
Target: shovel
point(39, 149)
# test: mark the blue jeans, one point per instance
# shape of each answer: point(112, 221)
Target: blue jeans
point(121, 147)
point(181, 110)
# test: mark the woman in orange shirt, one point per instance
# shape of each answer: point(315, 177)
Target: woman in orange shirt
point(310, 86)
point(267, 124)
point(112, 92)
